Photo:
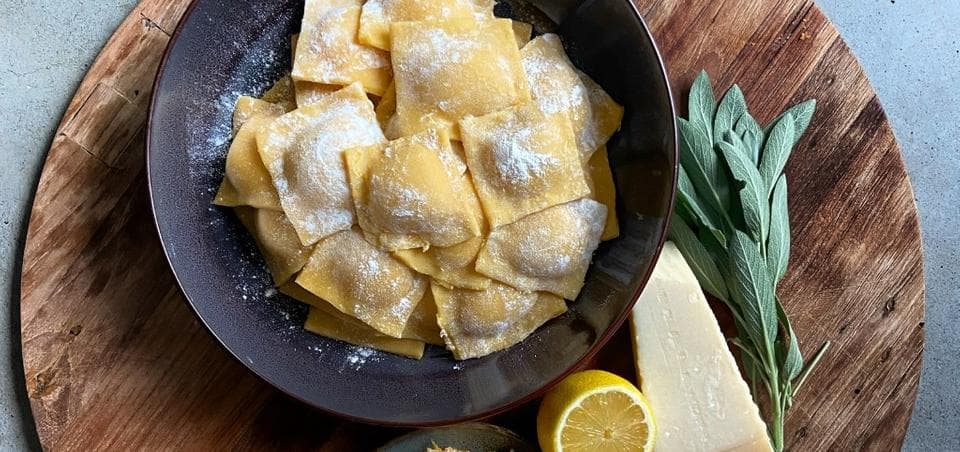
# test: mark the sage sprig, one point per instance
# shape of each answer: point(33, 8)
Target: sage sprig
point(732, 226)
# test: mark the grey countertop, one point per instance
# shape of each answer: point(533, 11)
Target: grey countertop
point(910, 50)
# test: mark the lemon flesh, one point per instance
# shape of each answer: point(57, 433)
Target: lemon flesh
point(595, 410)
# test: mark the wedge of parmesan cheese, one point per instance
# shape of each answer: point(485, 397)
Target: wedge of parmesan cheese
point(699, 400)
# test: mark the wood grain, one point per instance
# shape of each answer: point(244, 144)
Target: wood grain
point(114, 359)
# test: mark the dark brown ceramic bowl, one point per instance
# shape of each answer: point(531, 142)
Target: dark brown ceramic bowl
point(224, 48)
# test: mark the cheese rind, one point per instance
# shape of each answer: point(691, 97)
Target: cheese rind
point(686, 370)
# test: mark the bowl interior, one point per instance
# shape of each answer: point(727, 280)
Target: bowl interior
point(224, 49)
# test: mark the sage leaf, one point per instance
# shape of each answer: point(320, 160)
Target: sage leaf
point(753, 194)
point(731, 108)
point(701, 213)
point(682, 209)
point(776, 151)
point(702, 164)
point(701, 262)
point(715, 248)
point(751, 134)
point(778, 244)
point(702, 105)
point(792, 360)
point(755, 290)
point(751, 367)
point(747, 352)
point(802, 114)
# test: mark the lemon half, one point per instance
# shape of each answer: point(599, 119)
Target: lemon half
point(595, 410)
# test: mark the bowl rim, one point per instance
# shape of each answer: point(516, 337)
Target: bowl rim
point(486, 414)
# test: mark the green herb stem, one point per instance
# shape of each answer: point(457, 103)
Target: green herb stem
point(735, 232)
point(802, 378)
point(775, 426)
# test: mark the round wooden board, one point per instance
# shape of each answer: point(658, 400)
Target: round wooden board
point(114, 358)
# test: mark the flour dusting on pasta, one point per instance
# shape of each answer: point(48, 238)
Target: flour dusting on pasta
point(467, 228)
point(516, 161)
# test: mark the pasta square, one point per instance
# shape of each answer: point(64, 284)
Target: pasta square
point(452, 266)
point(249, 107)
point(303, 150)
point(246, 181)
point(337, 327)
point(421, 327)
point(607, 113)
point(558, 87)
point(308, 92)
point(522, 161)
point(387, 113)
point(277, 241)
point(407, 197)
point(281, 93)
point(602, 189)
point(422, 324)
point(363, 282)
point(451, 69)
point(377, 15)
point(328, 51)
point(477, 323)
point(327, 321)
point(546, 251)
point(523, 32)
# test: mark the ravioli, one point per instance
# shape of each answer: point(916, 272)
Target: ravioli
point(308, 92)
point(445, 70)
point(422, 324)
point(281, 93)
point(426, 173)
point(294, 39)
point(328, 52)
point(249, 107)
point(522, 161)
point(322, 323)
point(602, 189)
point(522, 31)
point(327, 321)
point(277, 241)
point(302, 151)
point(477, 323)
point(558, 87)
point(246, 181)
point(405, 196)
point(377, 15)
point(452, 266)
point(387, 113)
point(363, 282)
point(607, 113)
point(546, 251)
